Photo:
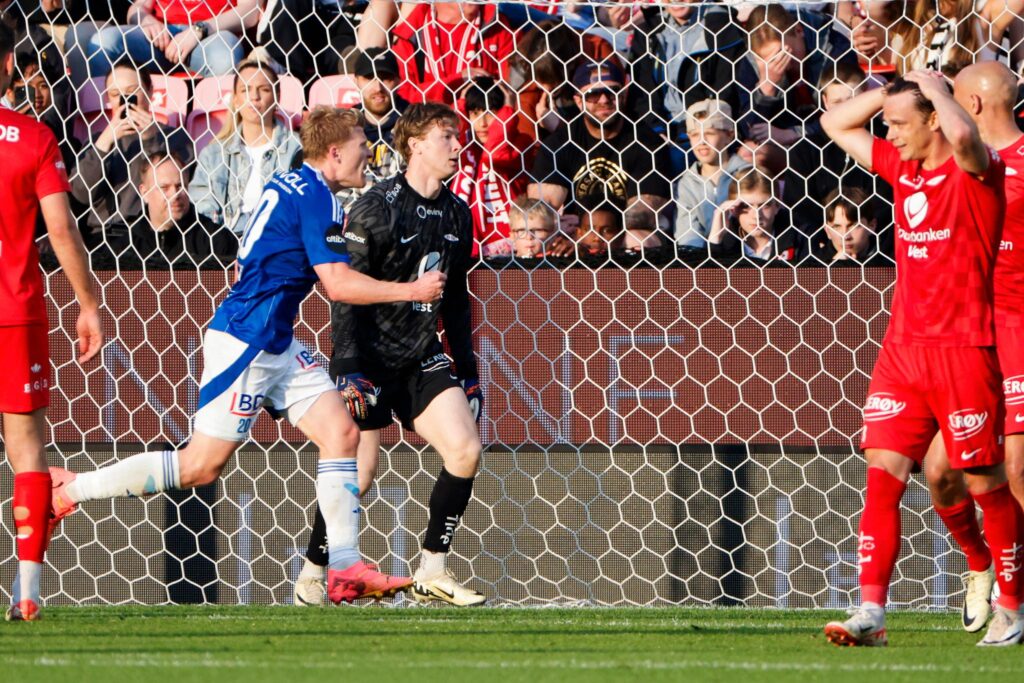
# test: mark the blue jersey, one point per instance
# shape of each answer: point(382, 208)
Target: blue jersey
point(297, 224)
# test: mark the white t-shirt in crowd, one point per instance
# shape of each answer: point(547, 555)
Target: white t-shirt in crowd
point(254, 184)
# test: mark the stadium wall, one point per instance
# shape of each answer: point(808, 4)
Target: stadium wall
point(610, 477)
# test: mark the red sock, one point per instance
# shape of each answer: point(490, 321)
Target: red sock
point(31, 505)
point(1004, 529)
point(962, 523)
point(879, 539)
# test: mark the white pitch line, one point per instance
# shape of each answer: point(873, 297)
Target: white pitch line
point(206, 662)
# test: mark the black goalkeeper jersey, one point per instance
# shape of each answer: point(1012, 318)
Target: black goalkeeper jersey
point(395, 234)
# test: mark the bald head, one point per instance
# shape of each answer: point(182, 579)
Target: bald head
point(990, 85)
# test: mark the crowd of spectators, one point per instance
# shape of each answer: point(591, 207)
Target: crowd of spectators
point(592, 131)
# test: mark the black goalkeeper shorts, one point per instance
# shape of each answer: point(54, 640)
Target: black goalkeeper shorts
point(408, 394)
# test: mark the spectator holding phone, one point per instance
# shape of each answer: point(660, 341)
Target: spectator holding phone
point(107, 182)
point(30, 93)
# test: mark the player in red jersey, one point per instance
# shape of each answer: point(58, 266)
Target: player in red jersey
point(937, 370)
point(33, 178)
point(988, 92)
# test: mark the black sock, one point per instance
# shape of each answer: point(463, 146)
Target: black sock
point(448, 502)
point(317, 551)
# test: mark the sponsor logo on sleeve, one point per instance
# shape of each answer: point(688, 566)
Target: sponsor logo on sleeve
point(335, 239)
point(964, 424)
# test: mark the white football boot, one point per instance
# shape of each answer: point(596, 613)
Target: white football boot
point(865, 628)
point(977, 600)
point(1007, 628)
point(445, 588)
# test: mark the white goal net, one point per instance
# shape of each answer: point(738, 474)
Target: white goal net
point(668, 418)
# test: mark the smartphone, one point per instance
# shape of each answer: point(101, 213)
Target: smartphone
point(24, 98)
point(128, 101)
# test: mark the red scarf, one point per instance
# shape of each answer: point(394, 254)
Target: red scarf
point(487, 194)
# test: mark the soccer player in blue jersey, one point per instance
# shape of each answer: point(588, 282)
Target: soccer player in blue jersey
point(251, 359)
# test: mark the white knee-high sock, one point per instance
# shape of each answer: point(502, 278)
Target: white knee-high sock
point(139, 475)
point(337, 492)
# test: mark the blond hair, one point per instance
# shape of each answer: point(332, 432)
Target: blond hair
point(524, 208)
point(417, 121)
point(326, 126)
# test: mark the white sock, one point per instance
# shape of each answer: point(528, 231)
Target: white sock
point(311, 571)
point(337, 492)
point(26, 582)
point(431, 564)
point(139, 475)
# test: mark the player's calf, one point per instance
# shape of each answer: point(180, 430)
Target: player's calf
point(1015, 466)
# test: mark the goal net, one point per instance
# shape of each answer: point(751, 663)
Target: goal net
point(668, 419)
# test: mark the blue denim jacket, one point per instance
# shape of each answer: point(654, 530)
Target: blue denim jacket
point(223, 171)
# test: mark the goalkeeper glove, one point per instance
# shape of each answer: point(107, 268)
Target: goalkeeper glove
point(358, 393)
point(475, 396)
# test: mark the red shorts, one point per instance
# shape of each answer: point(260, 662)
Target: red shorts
point(1010, 346)
point(25, 379)
point(917, 390)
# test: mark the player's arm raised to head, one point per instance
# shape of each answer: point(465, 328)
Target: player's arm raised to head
point(956, 124)
point(847, 124)
point(74, 261)
point(347, 285)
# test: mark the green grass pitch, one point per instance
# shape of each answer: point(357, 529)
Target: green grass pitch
point(222, 644)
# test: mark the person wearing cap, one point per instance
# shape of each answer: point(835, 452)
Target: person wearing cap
point(601, 151)
point(377, 75)
point(704, 186)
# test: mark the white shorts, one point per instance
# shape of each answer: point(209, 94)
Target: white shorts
point(239, 379)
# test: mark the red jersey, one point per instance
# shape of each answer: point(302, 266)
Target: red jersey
point(948, 224)
point(1009, 278)
point(32, 169)
point(190, 11)
point(435, 57)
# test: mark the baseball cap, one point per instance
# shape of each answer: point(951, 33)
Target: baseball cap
point(710, 114)
point(591, 72)
point(377, 62)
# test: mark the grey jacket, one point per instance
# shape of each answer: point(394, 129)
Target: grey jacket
point(223, 170)
point(698, 197)
point(108, 183)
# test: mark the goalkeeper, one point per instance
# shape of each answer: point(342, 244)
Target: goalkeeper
point(252, 360)
point(388, 359)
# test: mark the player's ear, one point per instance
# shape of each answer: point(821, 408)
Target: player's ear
point(975, 102)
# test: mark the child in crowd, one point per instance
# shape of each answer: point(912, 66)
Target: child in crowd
point(850, 228)
point(600, 228)
point(751, 225)
point(492, 164)
point(705, 184)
